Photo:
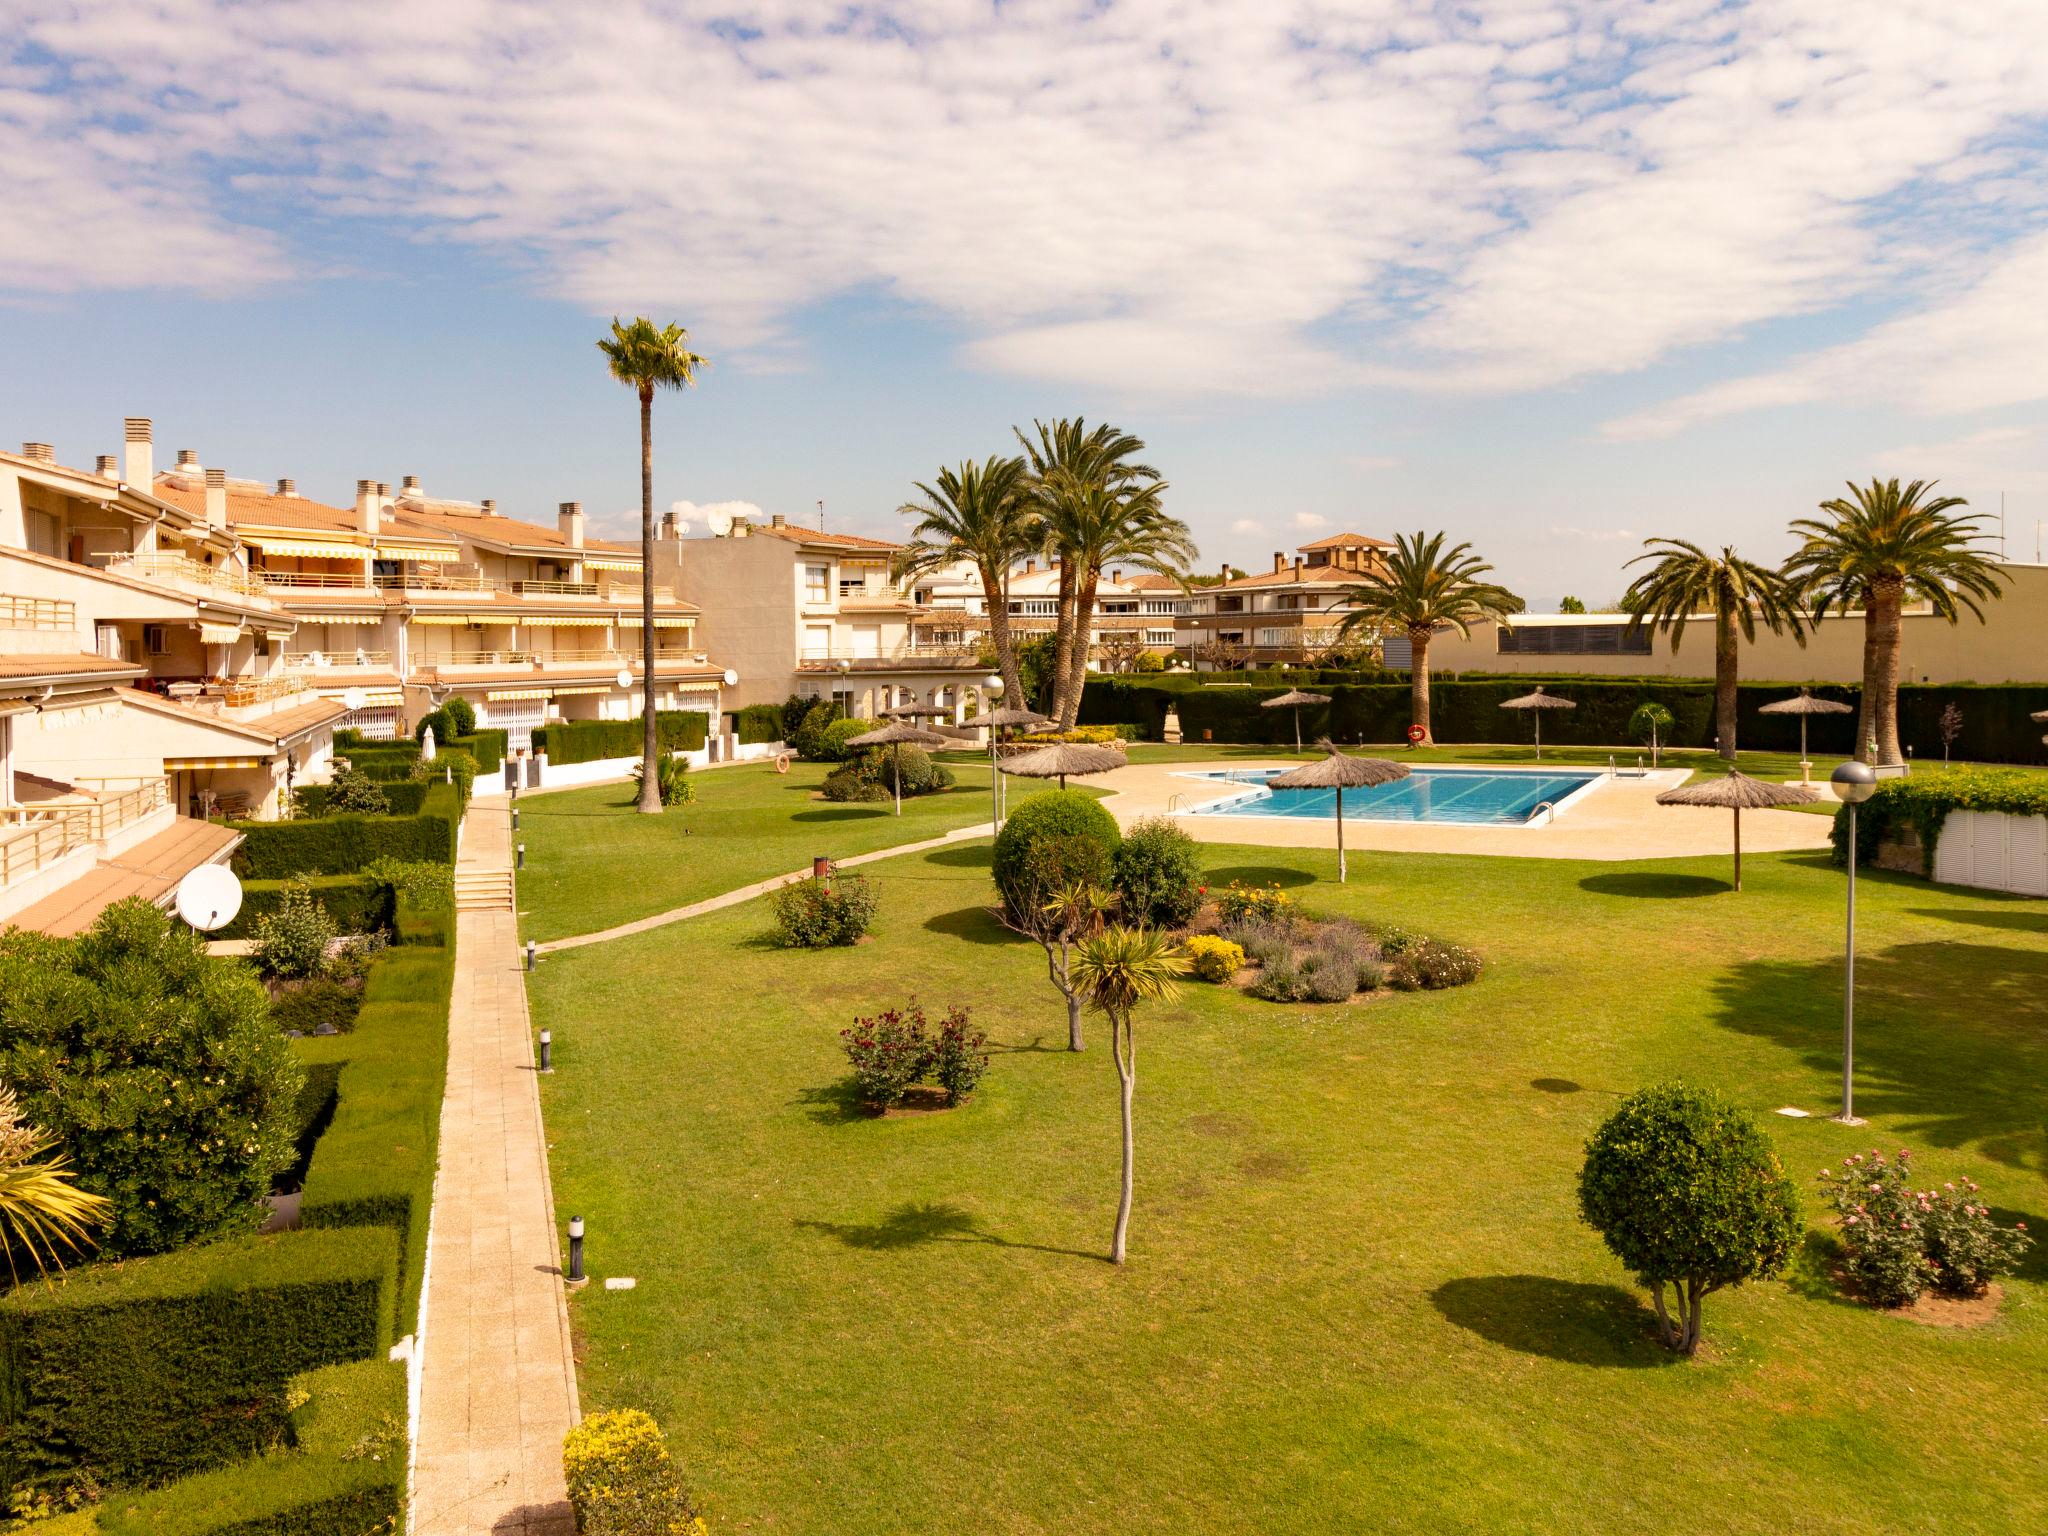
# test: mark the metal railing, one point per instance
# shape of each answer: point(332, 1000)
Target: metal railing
point(328, 661)
point(527, 588)
point(258, 690)
point(162, 567)
point(331, 581)
point(37, 613)
point(32, 836)
point(431, 580)
point(480, 658)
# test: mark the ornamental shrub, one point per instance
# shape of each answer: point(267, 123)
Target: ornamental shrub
point(1022, 881)
point(353, 790)
point(959, 1055)
point(622, 1480)
point(1212, 959)
point(819, 914)
point(830, 744)
point(1966, 1249)
point(1244, 903)
point(672, 780)
point(1922, 802)
point(320, 1005)
point(461, 717)
point(158, 1069)
point(1157, 871)
point(1430, 965)
point(891, 1051)
point(1687, 1190)
point(1899, 1239)
point(850, 784)
point(292, 942)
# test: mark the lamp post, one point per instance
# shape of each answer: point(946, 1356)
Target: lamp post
point(992, 687)
point(845, 689)
point(1853, 783)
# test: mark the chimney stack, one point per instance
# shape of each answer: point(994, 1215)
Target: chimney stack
point(1030, 566)
point(188, 461)
point(778, 521)
point(287, 488)
point(216, 498)
point(411, 487)
point(490, 505)
point(668, 529)
point(103, 466)
point(42, 453)
point(366, 506)
point(570, 517)
point(1226, 570)
point(1297, 567)
point(1279, 559)
point(1116, 578)
point(139, 466)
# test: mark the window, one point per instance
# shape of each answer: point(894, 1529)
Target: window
point(1120, 605)
point(1159, 637)
point(1276, 637)
point(1618, 639)
point(1162, 605)
point(815, 578)
point(1231, 604)
point(1287, 600)
point(1035, 607)
point(45, 534)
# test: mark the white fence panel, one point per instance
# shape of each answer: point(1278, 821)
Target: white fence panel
point(1994, 851)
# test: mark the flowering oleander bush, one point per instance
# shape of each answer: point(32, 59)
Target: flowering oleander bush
point(1213, 959)
point(622, 1480)
point(959, 1055)
point(1242, 903)
point(1900, 1240)
point(818, 914)
point(891, 1051)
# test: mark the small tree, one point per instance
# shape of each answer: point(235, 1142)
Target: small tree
point(1951, 727)
point(1571, 605)
point(1687, 1190)
point(354, 790)
point(1071, 913)
point(1120, 969)
point(1651, 722)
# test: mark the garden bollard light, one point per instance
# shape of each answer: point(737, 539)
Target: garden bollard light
point(515, 818)
point(575, 1250)
point(547, 1051)
point(521, 864)
point(820, 867)
point(529, 954)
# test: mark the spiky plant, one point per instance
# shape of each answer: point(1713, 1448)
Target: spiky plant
point(40, 1208)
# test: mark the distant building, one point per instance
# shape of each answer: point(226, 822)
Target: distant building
point(1290, 613)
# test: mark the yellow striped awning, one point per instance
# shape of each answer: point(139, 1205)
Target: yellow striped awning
point(219, 634)
point(503, 695)
point(458, 620)
point(612, 562)
point(562, 693)
point(341, 618)
point(385, 697)
point(862, 563)
point(316, 549)
point(174, 764)
point(423, 554)
point(632, 621)
point(561, 620)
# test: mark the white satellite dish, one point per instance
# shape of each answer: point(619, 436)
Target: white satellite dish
point(209, 897)
point(732, 678)
point(354, 699)
point(624, 679)
point(719, 521)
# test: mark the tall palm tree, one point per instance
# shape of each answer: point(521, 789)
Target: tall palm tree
point(39, 1205)
point(1684, 580)
point(981, 514)
point(1877, 547)
point(1119, 969)
point(649, 357)
point(1421, 587)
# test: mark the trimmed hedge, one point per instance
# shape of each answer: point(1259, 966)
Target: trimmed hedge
point(342, 845)
point(590, 741)
point(759, 722)
point(135, 1372)
point(1920, 804)
point(357, 903)
point(403, 795)
point(345, 1476)
point(486, 746)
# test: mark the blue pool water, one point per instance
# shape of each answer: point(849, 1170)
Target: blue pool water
point(1469, 795)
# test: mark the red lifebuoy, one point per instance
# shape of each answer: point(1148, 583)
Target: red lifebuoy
point(1416, 733)
point(782, 762)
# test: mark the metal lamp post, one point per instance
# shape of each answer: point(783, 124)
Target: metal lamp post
point(846, 689)
point(992, 687)
point(1853, 783)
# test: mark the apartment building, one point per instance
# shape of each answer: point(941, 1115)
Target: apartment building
point(1287, 614)
point(1135, 611)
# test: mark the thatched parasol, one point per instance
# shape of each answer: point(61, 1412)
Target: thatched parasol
point(1340, 772)
point(1738, 792)
point(1538, 702)
point(1004, 719)
point(1293, 699)
point(915, 712)
point(998, 721)
point(1079, 758)
point(894, 735)
point(1803, 705)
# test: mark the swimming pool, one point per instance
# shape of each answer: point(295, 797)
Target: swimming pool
point(1472, 796)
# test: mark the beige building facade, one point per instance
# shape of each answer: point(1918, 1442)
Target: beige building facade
point(1290, 613)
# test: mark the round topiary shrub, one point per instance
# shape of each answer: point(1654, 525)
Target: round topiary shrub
point(828, 742)
point(461, 715)
point(1687, 1189)
point(1158, 873)
point(1058, 813)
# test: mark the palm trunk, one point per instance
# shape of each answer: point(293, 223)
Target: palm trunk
point(1062, 639)
point(650, 768)
point(1866, 711)
point(1077, 666)
point(995, 590)
point(1883, 627)
point(1724, 681)
point(1418, 682)
point(1125, 1048)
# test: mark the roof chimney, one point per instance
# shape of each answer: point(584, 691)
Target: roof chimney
point(1297, 567)
point(1030, 566)
point(570, 517)
point(778, 521)
point(216, 498)
point(103, 466)
point(1116, 578)
point(490, 506)
point(188, 460)
point(42, 453)
point(411, 487)
point(366, 506)
point(1226, 570)
point(668, 529)
point(1279, 559)
point(139, 466)
point(287, 488)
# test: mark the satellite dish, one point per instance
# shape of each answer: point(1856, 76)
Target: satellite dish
point(354, 698)
point(732, 678)
point(624, 679)
point(209, 897)
point(719, 521)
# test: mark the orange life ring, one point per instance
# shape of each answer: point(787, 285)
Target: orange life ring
point(782, 762)
point(1416, 733)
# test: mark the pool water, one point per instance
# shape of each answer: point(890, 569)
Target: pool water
point(1473, 796)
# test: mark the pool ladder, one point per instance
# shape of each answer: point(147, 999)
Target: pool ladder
point(1541, 807)
point(1176, 804)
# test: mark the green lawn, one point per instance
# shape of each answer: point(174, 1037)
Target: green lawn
point(1358, 1299)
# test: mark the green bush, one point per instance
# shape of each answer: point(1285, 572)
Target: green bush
point(622, 1481)
point(1899, 1239)
point(461, 716)
point(318, 1005)
point(760, 723)
point(829, 743)
point(1921, 802)
point(1687, 1190)
point(486, 748)
point(1430, 965)
point(804, 727)
point(1212, 959)
point(590, 741)
point(873, 775)
point(849, 784)
point(672, 780)
point(157, 1069)
point(820, 914)
point(401, 796)
point(292, 941)
point(138, 1372)
point(344, 1476)
point(358, 903)
point(343, 845)
point(426, 886)
point(1058, 813)
point(1157, 872)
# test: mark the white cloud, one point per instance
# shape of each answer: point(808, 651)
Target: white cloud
point(1247, 525)
point(1308, 522)
point(1595, 535)
point(1143, 195)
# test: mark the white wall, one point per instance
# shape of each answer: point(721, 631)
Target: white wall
point(1993, 850)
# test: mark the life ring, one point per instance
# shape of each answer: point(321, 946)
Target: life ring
point(1416, 734)
point(782, 762)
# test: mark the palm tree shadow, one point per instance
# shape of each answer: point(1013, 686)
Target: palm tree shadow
point(2025, 921)
point(1601, 1325)
point(976, 924)
point(915, 1223)
point(1644, 883)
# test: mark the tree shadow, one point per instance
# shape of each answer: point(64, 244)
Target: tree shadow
point(977, 925)
point(962, 856)
point(1259, 874)
point(2028, 921)
point(1555, 1085)
point(1654, 886)
point(856, 812)
point(1601, 1325)
point(915, 1223)
point(1951, 1038)
point(2034, 1265)
point(839, 1103)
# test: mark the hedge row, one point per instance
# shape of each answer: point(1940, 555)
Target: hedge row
point(589, 741)
point(132, 1373)
point(402, 795)
point(341, 845)
point(1995, 727)
point(759, 722)
point(343, 1476)
point(1921, 803)
point(357, 903)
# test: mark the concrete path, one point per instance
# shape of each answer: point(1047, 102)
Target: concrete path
point(759, 888)
point(498, 1379)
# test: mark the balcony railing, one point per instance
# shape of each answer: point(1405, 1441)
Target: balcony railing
point(331, 661)
point(53, 613)
point(555, 588)
point(326, 581)
point(169, 567)
point(431, 580)
point(578, 657)
point(261, 690)
point(32, 836)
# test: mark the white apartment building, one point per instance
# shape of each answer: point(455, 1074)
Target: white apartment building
point(1290, 613)
point(1135, 611)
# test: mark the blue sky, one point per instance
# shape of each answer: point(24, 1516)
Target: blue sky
point(1554, 275)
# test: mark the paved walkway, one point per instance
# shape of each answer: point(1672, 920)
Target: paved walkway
point(759, 888)
point(498, 1387)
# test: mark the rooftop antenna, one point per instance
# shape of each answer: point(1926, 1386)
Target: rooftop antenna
point(821, 517)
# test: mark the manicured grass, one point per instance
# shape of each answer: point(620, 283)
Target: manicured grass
point(592, 863)
point(1359, 1298)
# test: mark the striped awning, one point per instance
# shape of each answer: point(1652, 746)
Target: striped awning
point(503, 695)
point(563, 693)
point(458, 620)
point(561, 621)
point(315, 549)
point(422, 553)
point(174, 764)
point(341, 618)
point(382, 697)
point(219, 634)
point(612, 562)
point(632, 621)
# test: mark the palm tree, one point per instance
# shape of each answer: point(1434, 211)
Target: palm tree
point(648, 358)
point(1685, 580)
point(1421, 587)
point(981, 514)
point(1880, 545)
point(1119, 969)
point(39, 1205)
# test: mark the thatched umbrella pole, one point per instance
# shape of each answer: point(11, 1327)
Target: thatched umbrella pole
point(1536, 703)
point(1738, 792)
point(1293, 699)
point(1803, 705)
point(1339, 772)
point(892, 736)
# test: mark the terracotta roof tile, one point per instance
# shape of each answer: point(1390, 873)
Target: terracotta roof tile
point(1348, 541)
point(813, 536)
point(61, 664)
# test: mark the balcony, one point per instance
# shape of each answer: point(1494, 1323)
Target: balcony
point(40, 833)
point(340, 661)
point(555, 588)
point(330, 581)
point(434, 579)
point(181, 568)
point(39, 613)
point(935, 657)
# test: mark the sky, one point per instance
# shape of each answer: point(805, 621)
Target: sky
point(1554, 276)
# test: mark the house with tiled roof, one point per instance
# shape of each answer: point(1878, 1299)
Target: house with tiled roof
point(1135, 611)
point(1290, 613)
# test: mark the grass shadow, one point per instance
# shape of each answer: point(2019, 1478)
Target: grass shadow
point(977, 925)
point(2034, 921)
point(1649, 885)
point(916, 1223)
point(962, 856)
point(1259, 874)
point(838, 1104)
point(1555, 1085)
point(1600, 1325)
